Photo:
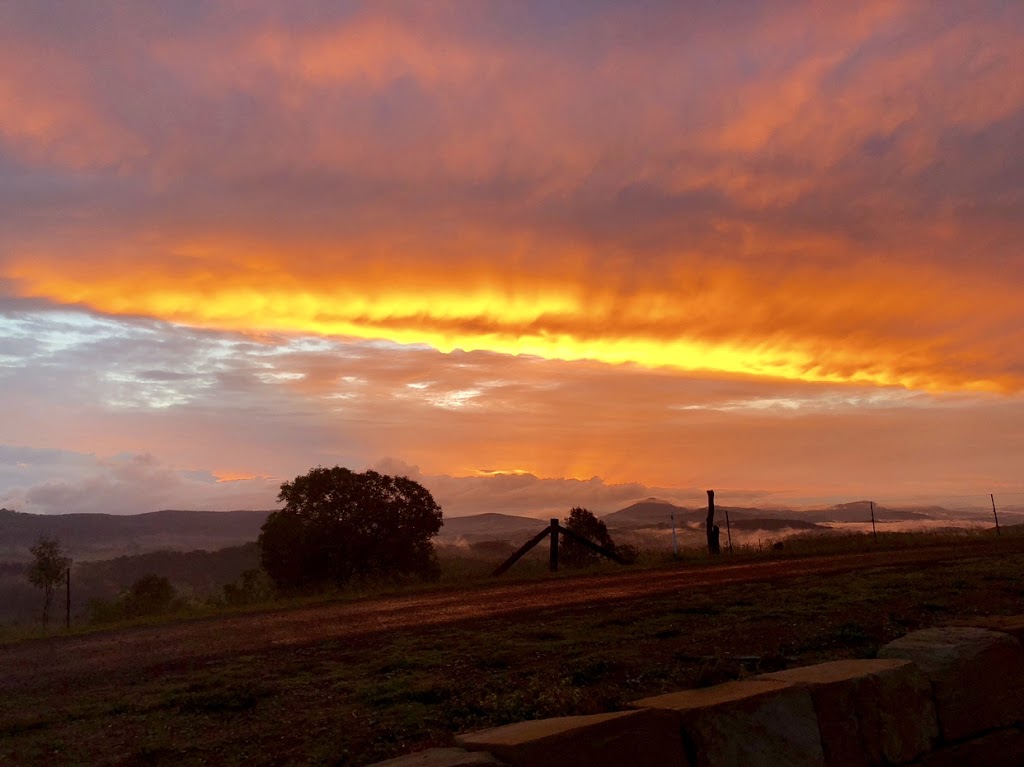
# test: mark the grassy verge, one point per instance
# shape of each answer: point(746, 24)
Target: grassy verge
point(352, 703)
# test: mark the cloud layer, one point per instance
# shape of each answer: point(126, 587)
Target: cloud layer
point(823, 196)
point(768, 247)
point(135, 415)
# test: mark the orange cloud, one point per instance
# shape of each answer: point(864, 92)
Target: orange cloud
point(872, 322)
point(775, 196)
point(237, 476)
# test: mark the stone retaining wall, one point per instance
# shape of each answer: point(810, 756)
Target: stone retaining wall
point(942, 697)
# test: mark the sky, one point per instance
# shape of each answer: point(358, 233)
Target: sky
point(532, 254)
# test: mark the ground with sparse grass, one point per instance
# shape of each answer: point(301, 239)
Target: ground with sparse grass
point(349, 682)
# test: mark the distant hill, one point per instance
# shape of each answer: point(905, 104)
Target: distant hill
point(651, 512)
point(99, 536)
point(860, 511)
point(104, 536)
point(489, 526)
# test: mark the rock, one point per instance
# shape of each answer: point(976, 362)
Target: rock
point(870, 712)
point(753, 723)
point(441, 757)
point(1006, 624)
point(977, 676)
point(635, 738)
point(1002, 748)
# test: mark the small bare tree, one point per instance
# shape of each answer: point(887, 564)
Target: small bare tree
point(48, 570)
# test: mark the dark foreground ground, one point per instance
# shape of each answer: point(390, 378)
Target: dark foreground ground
point(352, 682)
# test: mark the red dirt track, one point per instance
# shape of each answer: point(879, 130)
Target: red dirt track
point(66, 660)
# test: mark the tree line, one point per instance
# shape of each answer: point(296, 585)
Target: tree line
point(336, 526)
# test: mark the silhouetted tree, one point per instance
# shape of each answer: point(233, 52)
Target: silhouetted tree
point(583, 523)
point(338, 524)
point(48, 570)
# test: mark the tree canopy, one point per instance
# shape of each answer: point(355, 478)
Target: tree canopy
point(585, 524)
point(338, 524)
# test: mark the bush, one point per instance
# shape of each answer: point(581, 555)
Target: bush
point(585, 524)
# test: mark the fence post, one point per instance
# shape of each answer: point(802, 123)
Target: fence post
point(553, 558)
point(874, 533)
point(710, 527)
point(993, 497)
point(728, 530)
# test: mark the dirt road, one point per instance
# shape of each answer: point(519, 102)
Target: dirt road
point(63, 660)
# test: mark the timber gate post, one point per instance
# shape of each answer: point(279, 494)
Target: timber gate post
point(554, 530)
point(553, 557)
point(711, 528)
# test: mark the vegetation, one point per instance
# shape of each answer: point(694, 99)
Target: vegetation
point(585, 524)
point(197, 573)
point(149, 596)
point(407, 689)
point(253, 588)
point(48, 570)
point(338, 525)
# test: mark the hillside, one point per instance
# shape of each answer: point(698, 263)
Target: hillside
point(193, 573)
point(489, 526)
point(100, 536)
point(246, 688)
point(652, 512)
point(655, 513)
point(859, 511)
point(103, 536)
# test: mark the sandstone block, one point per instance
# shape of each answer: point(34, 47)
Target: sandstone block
point(870, 712)
point(1007, 624)
point(635, 738)
point(754, 723)
point(1002, 748)
point(441, 757)
point(977, 676)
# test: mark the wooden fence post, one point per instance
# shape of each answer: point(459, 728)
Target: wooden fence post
point(993, 498)
point(710, 527)
point(553, 558)
point(874, 533)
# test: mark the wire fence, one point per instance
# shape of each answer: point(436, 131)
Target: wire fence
point(758, 521)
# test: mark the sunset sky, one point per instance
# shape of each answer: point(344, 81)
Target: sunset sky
point(533, 254)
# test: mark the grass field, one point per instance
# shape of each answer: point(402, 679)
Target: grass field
point(355, 702)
